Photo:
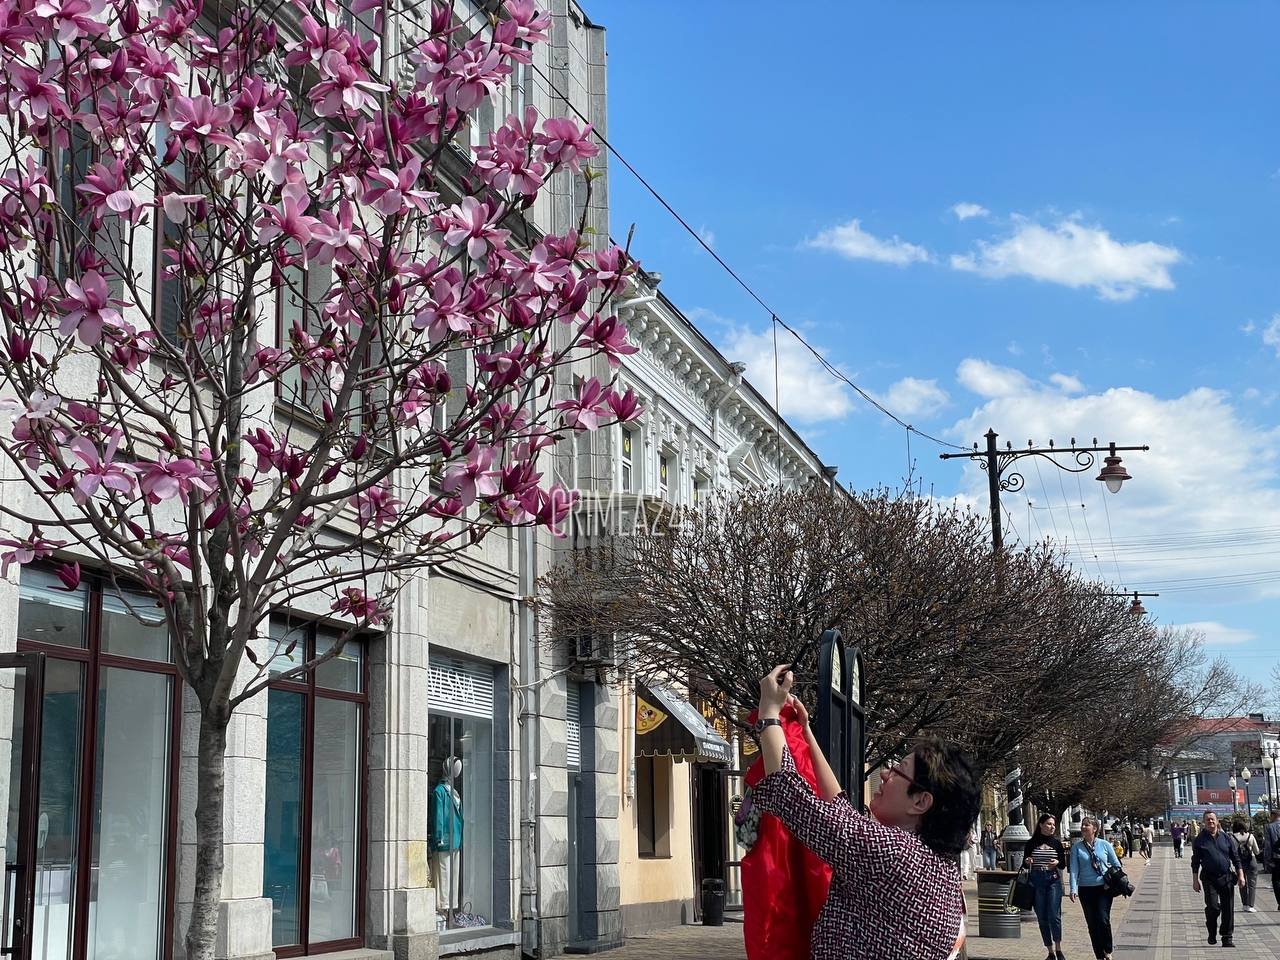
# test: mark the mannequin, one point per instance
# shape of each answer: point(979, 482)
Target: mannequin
point(445, 815)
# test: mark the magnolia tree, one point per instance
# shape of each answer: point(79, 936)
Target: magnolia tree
point(350, 355)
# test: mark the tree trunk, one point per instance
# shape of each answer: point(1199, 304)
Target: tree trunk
point(202, 931)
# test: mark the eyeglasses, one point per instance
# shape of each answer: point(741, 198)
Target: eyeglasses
point(897, 770)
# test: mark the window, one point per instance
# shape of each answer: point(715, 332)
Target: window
point(664, 472)
point(628, 459)
point(313, 862)
point(701, 487)
point(582, 462)
point(170, 293)
point(460, 793)
point(108, 774)
point(653, 807)
point(297, 300)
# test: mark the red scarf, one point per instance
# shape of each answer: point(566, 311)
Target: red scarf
point(784, 886)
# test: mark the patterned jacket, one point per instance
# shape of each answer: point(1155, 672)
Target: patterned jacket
point(892, 897)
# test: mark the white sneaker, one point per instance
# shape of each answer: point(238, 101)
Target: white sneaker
point(1251, 909)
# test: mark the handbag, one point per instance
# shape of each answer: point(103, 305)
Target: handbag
point(1115, 883)
point(1022, 894)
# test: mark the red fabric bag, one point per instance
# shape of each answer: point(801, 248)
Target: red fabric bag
point(784, 886)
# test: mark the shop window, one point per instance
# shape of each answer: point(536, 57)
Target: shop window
point(653, 807)
point(313, 869)
point(109, 720)
point(460, 794)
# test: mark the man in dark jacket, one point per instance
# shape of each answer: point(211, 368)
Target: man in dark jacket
point(1271, 853)
point(1215, 867)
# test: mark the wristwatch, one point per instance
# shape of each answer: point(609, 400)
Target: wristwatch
point(766, 722)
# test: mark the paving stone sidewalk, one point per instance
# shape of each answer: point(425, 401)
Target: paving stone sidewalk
point(1075, 934)
point(1166, 920)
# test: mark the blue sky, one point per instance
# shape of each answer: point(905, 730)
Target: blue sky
point(1055, 220)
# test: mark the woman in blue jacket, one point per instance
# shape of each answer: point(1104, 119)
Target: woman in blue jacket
point(1090, 858)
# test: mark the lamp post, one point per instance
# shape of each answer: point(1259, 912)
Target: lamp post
point(1269, 763)
point(1246, 775)
point(1231, 782)
point(995, 462)
point(1136, 608)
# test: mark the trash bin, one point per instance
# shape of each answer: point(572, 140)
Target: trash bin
point(713, 903)
point(996, 919)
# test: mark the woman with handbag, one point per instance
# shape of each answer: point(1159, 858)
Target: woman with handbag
point(1090, 859)
point(1047, 858)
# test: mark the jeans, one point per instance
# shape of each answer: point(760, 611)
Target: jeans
point(1249, 892)
point(989, 863)
point(1097, 914)
point(1048, 905)
point(1275, 881)
point(1219, 902)
point(1177, 849)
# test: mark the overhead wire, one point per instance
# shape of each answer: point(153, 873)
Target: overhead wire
point(698, 238)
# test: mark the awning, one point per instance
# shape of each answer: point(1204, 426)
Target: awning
point(668, 725)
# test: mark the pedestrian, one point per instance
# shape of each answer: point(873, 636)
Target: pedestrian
point(1148, 840)
point(1129, 848)
point(966, 864)
point(1215, 867)
point(1193, 829)
point(975, 855)
point(988, 848)
point(895, 887)
point(1047, 858)
point(1271, 853)
point(1090, 858)
point(1247, 844)
point(1175, 834)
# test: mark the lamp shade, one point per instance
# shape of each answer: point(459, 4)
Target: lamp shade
point(1268, 763)
point(1113, 474)
point(1246, 774)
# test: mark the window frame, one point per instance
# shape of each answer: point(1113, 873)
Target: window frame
point(311, 691)
point(94, 660)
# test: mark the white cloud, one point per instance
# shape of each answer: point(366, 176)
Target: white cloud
point(964, 211)
point(1219, 634)
point(1183, 526)
point(708, 235)
point(988, 379)
point(913, 397)
point(1248, 327)
point(1074, 254)
point(1066, 383)
point(807, 393)
point(851, 241)
point(1271, 334)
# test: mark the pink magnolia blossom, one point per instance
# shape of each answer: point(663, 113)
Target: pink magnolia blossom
point(338, 238)
point(471, 75)
point(355, 603)
point(167, 478)
point(475, 478)
point(563, 143)
point(106, 189)
point(346, 89)
point(585, 411)
point(376, 507)
point(197, 122)
point(101, 470)
point(88, 307)
point(472, 223)
point(288, 218)
point(609, 336)
point(391, 191)
point(22, 552)
point(73, 19)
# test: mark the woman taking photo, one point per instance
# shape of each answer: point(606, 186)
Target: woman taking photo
point(895, 884)
point(1046, 856)
point(1090, 858)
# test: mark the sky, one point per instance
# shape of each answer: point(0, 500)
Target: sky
point(1053, 220)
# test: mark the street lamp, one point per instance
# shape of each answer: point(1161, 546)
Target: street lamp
point(1232, 784)
point(1269, 763)
point(1246, 775)
point(1267, 766)
point(995, 461)
point(1136, 608)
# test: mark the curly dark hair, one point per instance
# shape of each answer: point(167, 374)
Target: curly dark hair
point(946, 772)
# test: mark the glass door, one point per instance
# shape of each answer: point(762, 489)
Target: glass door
point(21, 690)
